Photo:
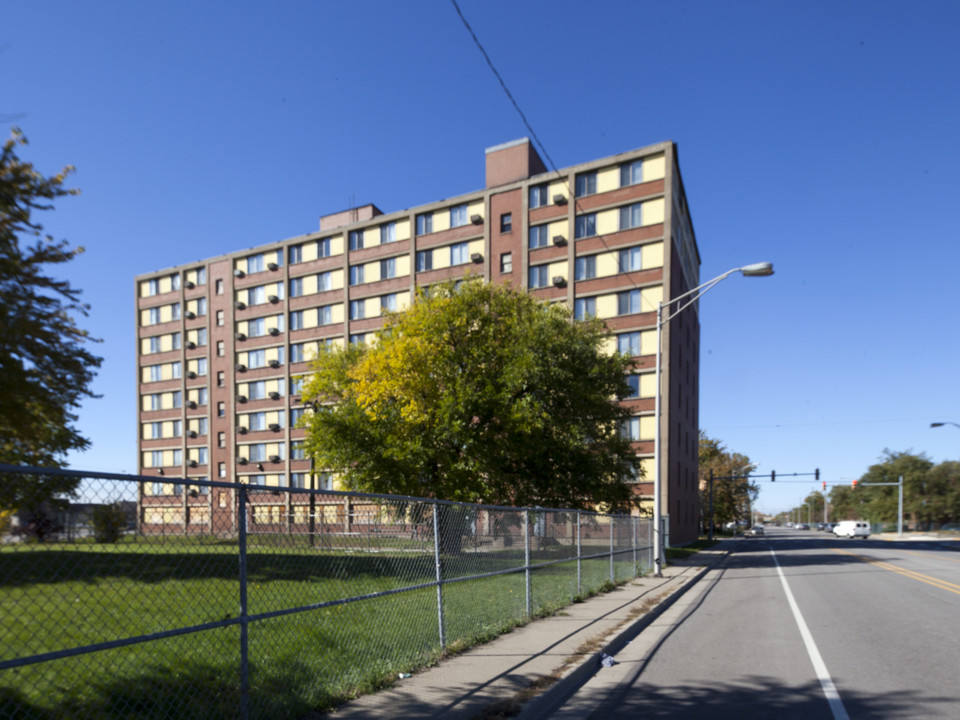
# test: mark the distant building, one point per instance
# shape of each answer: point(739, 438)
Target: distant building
point(223, 344)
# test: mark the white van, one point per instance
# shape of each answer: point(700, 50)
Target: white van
point(852, 529)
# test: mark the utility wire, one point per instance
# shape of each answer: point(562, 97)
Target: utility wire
point(533, 133)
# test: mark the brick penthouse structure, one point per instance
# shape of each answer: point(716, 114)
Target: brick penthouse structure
point(223, 344)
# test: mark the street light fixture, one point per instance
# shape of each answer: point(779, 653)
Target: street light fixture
point(762, 269)
point(941, 424)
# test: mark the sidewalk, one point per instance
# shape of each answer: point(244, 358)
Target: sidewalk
point(528, 672)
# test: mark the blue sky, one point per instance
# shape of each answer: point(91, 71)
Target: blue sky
point(821, 136)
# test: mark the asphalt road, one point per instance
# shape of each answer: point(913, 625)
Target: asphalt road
point(798, 624)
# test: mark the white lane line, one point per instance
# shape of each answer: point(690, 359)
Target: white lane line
point(826, 682)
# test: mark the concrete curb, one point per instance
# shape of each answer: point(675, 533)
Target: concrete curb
point(551, 699)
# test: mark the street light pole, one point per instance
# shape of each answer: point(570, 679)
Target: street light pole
point(691, 296)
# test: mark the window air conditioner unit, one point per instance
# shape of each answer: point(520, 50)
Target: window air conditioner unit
point(274, 395)
point(476, 219)
point(241, 368)
point(192, 434)
point(273, 299)
point(242, 461)
point(272, 266)
point(559, 240)
point(559, 199)
point(275, 427)
point(240, 305)
point(239, 273)
point(192, 463)
point(274, 458)
point(241, 398)
point(189, 314)
point(191, 345)
point(192, 405)
point(189, 284)
point(191, 375)
point(240, 336)
point(274, 331)
point(274, 363)
point(477, 257)
point(559, 281)
point(242, 430)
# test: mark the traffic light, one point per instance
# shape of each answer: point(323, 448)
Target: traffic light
point(816, 474)
point(773, 476)
point(824, 483)
point(855, 484)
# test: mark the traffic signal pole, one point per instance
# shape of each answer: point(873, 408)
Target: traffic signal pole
point(898, 484)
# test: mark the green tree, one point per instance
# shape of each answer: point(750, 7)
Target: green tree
point(477, 393)
point(45, 368)
point(879, 504)
point(734, 494)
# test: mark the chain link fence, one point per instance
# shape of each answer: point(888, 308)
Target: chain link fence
point(148, 597)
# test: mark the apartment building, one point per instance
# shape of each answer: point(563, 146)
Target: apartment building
point(223, 345)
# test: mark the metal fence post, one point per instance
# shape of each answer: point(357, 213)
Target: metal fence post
point(579, 559)
point(613, 576)
point(244, 638)
point(633, 523)
point(439, 568)
point(526, 554)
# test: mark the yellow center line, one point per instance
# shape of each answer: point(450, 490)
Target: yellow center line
point(939, 556)
point(935, 582)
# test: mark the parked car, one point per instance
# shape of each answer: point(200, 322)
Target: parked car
point(852, 529)
point(755, 531)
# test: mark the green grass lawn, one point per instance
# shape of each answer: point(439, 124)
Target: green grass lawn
point(54, 597)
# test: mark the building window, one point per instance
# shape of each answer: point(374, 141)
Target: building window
point(586, 184)
point(218, 287)
point(296, 287)
point(296, 320)
point(585, 226)
point(325, 315)
point(630, 259)
point(584, 308)
point(585, 268)
point(460, 253)
point(254, 264)
point(388, 303)
point(201, 366)
point(222, 469)
point(506, 263)
point(221, 410)
point(458, 216)
point(628, 302)
point(539, 276)
point(388, 233)
point(538, 196)
point(506, 223)
point(358, 338)
point(325, 281)
point(221, 439)
point(324, 248)
point(295, 254)
point(221, 378)
point(539, 236)
point(388, 268)
point(630, 428)
point(358, 309)
point(631, 173)
point(221, 348)
point(631, 216)
point(424, 223)
point(629, 343)
point(356, 274)
point(356, 239)
point(424, 260)
point(298, 450)
point(633, 383)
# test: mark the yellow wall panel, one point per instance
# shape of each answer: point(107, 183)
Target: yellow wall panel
point(652, 212)
point(336, 280)
point(648, 427)
point(336, 244)
point(371, 272)
point(609, 345)
point(403, 265)
point(651, 256)
point(403, 301)
point(308, 251)
point(474, 208)
point(559, 269)
point(403, 230)
point(240, 264)
point(561, 227)
point(441, 258)
point(648, 342)
point(608, 179)
point(608, 222)
point(650, 298)
point(607, 264)
point(558, 187)
point(441, 220)
point(654, 167)
point(606, 306)
point(647, 465)
point(648, 385)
